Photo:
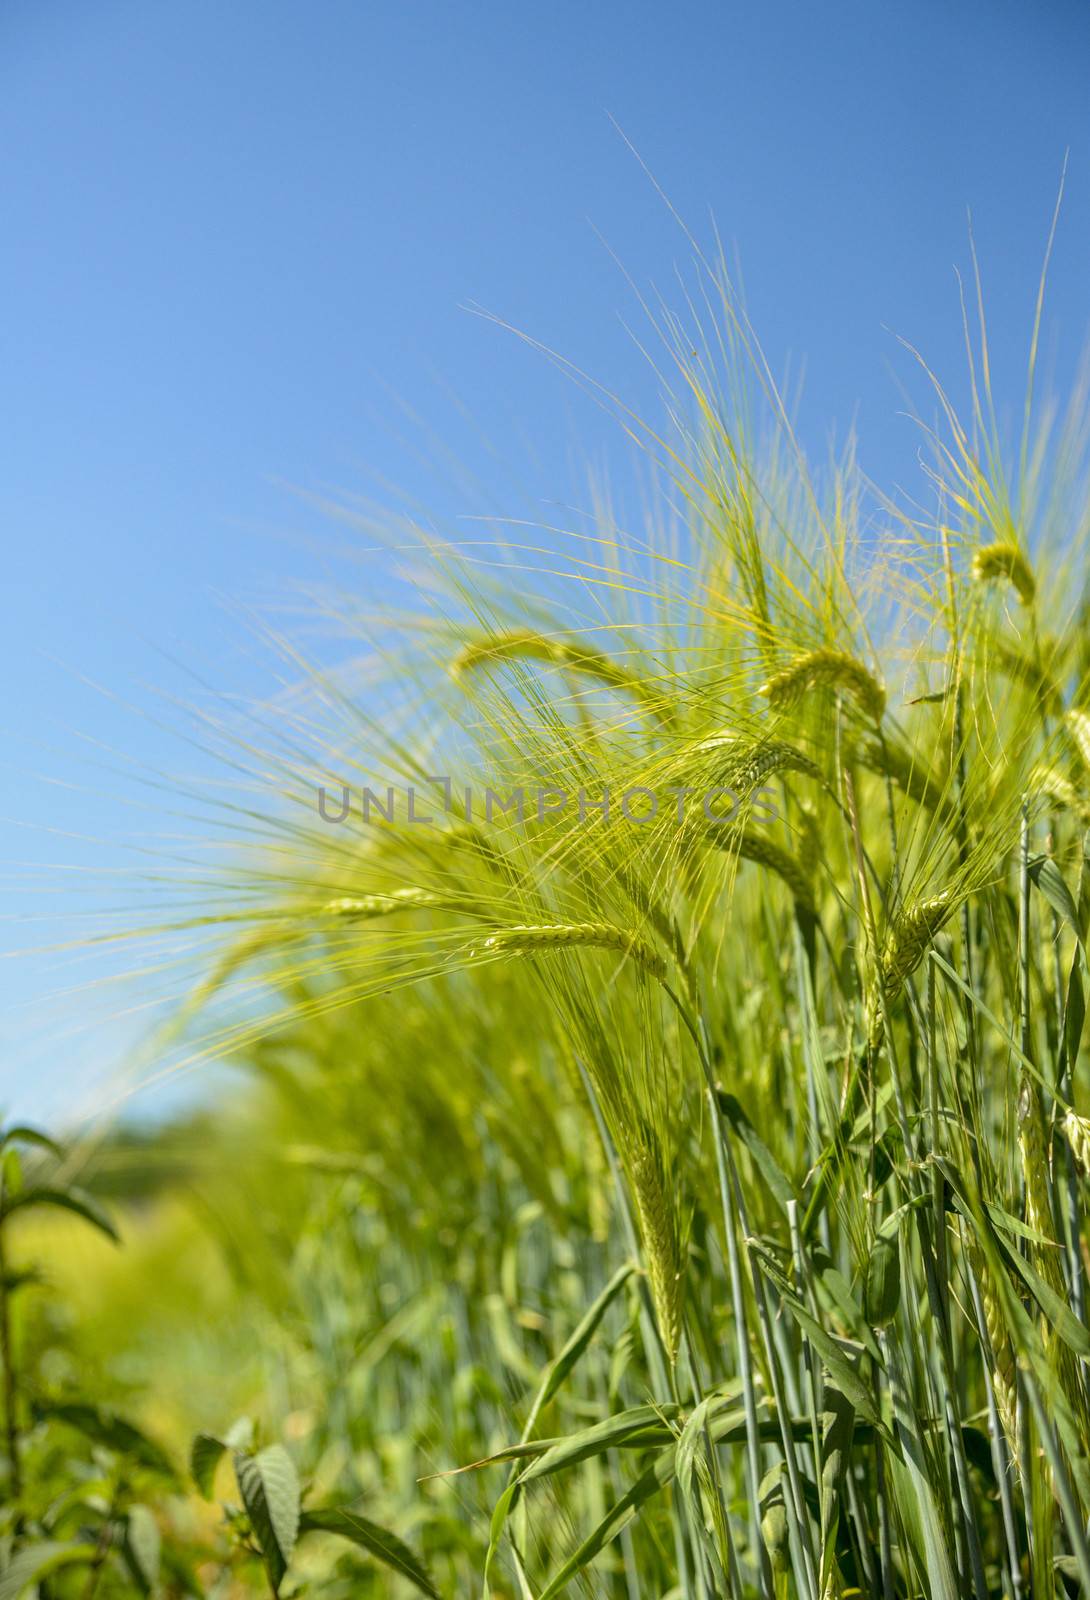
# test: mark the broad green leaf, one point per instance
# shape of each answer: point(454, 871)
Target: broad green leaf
point(207, 1451)
point(205, 1455)
point(142, 1547)
point(835, 1362)
point(76, 1200)
point(835, 1293)
point(35, 1562)
point(269, 1488)
point(1058, 1314)
point(379, 1542)
point(114, 1432)
point(882, 1286)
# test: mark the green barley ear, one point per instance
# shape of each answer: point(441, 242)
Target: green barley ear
point(754, 846)
point(658, 1228)
point(909, 938)
point(361, 908)
point(526, 645)
point(543, 937)
point(748, 763)
point(907, 942)
point(1005, 562)
point(826, 669)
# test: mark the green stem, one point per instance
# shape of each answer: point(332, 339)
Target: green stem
point(7, 1360)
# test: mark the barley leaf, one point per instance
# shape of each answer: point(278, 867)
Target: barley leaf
point(654, 1478)
point(1050, 880)
point(76, 1200)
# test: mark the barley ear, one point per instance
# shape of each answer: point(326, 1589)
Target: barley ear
point(834, 670)
point(1004, 561)
point(658, 1228)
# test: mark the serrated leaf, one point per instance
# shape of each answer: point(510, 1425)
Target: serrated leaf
point(379, 1542)
point(35, 1562)
point(75, 1200)
point(269, 1488)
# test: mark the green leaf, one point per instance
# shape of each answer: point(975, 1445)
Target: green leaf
point(882, 1287)
point(580, 1338)
point(142, 1547)
point(835, 1362)
point(656, 1476)
point(779, 1183)
point(205, 1455)
point(207, 1451)
point(269, 1488)
point(1058, 1314)
point(632, 1429)
point(379, 1542)
point(78, 1200)
point(1050, 880)
point(37, 1561)
point(106, 1428)
point(19, 1133)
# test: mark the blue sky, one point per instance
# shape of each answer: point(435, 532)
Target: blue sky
point(238, 242)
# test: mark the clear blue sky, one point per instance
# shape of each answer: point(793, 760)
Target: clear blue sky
point(233, 236)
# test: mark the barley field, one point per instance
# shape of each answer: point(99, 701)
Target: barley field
point(651, 979)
